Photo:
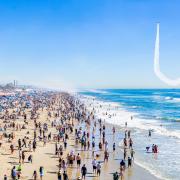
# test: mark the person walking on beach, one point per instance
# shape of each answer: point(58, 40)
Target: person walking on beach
point(113, 130)
point(13, 173)
point(30, 146)
point(98, 169)
point(115, 176)
point(129, 134)
point(114, 147)
point(125, 153)
point(130, 143)
point(35, 175)
point(65, 144)
point(93, 144)
point(106, 145)
point(59, 175)
point(30, 159)
point(129, 162)
point(84, 171)
point(24, 142)
point(94, 164)
point(106, 156)
point(132, 154)
point(12, 148)
point(19, 143)
point(122, 165)
point(20, 155)
point(41, 172)
point(34, 145)
point(5, 177)
point(78, 159)
point(65, 176)
point(88, 145)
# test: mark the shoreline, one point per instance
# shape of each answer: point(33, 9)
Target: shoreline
point(101, 102)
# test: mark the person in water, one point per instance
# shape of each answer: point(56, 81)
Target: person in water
point(149, 133)
point(114, 147)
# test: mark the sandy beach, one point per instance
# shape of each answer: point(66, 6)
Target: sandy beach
point(45, 156)
point(89, 89)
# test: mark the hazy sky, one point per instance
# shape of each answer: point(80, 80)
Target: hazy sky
point(88, 43)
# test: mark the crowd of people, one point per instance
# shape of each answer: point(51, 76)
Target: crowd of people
point(66, 116)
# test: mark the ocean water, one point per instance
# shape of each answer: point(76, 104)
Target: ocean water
point(155, 109)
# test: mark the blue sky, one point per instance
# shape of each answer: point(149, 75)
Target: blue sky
point(88, 43)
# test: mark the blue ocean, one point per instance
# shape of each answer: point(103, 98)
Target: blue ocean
point(157, 110)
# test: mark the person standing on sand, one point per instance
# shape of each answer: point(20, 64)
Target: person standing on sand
point(59, 175)
point(125, 153)
point(19, 143)
point(19, 169)
point(20, 155)
point(100, 146)
point(23, 156)
point(129, 134)
point(88, 145)
point(13, 173)
point(30, 146)
point(65, 144)
point(98, 169)
point(65, 176)
point(106, 145)
point(30, 159)
point(5, 177)
point(35, 175)
point(44, 140)
point(129, 162)
point(106, 156)
point(114, 147)
point(24, 142)
point(94, 164)
point(34, 145)
point(78, 159)
point(93, 144)
point(114, 130)
point(100, 131)
point(41, 171)
point(132, 154)
point(130, 143)
point(122, 166)
point(84, 171)
point(12, 148)
point(115, 176)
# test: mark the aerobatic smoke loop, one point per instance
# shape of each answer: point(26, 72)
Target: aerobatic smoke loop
point(159, 74)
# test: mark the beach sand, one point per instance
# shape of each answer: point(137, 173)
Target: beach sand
point(45, 156)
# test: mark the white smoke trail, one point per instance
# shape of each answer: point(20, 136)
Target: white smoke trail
point(159, 74)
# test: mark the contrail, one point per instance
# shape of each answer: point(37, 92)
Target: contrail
point(159, 74)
